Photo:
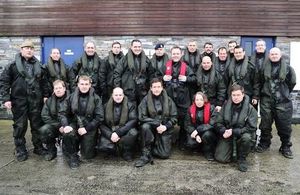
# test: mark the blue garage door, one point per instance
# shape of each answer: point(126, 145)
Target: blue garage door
point(71, 48)
point(248, 43)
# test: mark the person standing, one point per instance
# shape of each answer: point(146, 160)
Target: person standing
point(159, 59)
point(88, 64)
point(277, 82)
point(56, 69)
point(211, 83)
point(134, 72)
point(23, 87)
point(177, 79)
point(106, 75)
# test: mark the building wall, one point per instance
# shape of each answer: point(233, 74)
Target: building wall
point(155, 17)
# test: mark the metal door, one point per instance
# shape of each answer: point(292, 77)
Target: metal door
point(71, 48)
point(248, 43)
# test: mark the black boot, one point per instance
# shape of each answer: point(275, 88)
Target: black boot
point(74, 161)
point(145, 158)
point(285, 150)
point(127, 154)
point(21, 152)
point(242, 164)
point(51, 153)
point(39, 149)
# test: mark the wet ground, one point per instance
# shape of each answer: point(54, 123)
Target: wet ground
point(184, 173)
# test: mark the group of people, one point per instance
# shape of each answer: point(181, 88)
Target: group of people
point(124, 103)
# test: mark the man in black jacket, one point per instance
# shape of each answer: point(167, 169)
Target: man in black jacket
point(81, 116)
point(177, 79)
point(159, 59)
point(56, 68)
point(236, 124)
point(106, 75)
point(277, 82)
point(52, 127)
point(157, 115)
point(118, 130)
point(134, 72)
point(22, 86)
point(88, 64)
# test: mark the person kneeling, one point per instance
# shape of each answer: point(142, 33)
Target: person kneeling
point(118, 130)
point(199, 126)
point(52, 127)
point(157, 115)
point(236, 124)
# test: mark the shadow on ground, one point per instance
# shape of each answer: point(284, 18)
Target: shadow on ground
point(183, 173)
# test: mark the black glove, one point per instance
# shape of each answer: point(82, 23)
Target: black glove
point(237, 132)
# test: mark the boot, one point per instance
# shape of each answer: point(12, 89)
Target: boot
point(74, 161)
point(145, 158)
point(286, 151)
point(21, 153)
point(39, 149)
point(242, 164)
point(127, 154)
point(51, 153)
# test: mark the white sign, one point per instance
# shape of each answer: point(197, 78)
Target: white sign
point(69, 52)
point(295, 61)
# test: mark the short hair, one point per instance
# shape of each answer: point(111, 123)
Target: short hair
point(88, 43)
point(232, 41)
point(85, 78)
point(261, 40)
point(176, 47)
point(116, 43)
point(236, 87)
point(202, 94)
point(58, 81)
point(221, 48)
point(156, 80)
point(135, 40)
point(208, 43)
point(238, 47)
point(57, 49)
point(118, 88)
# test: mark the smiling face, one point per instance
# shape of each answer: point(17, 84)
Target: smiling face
point(199, 100)
point(260, 46)
point(176, 54)
point(156, 88)
point(116, 48)
point(90, 49)
point(84, 85)
point(118, 95)
point(208, 48)
point(192, 46)
point(55, 54)
point(27, 52)
point(275, 54)
point(237, 96)
point(239, 53)
point(136, 48)
point(59, 89)
point(222, 54)
point(206, 63)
